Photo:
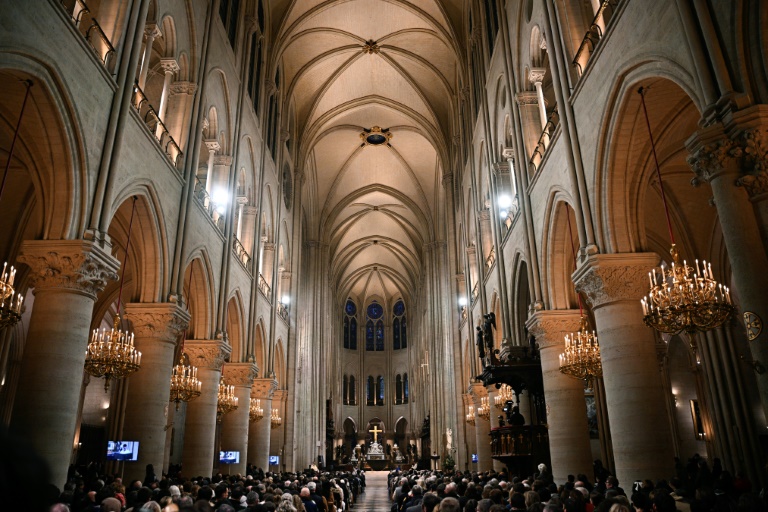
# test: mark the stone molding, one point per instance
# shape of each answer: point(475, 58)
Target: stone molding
point(152, 30)
point(225, 160)
point(279, 396)
point(83, 266)
point(484, 214)
point(550, 327)
point(608, 278)
point(183, 87)
point(212, 145)
point(526, 98)
point(240, 374)
point(508, 154)
point(208, 354)
point(160, 321)
point(264, 388)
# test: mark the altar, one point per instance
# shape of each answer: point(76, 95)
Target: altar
point(376, 458)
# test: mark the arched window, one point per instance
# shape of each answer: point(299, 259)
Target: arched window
point(344, 391)
point(405, 388)
point(350, 325)
point(370, 391)
point(398, 389)
point(379, 336)
point(229, 11)
point(399, 336)
point(352, 390)
point(369, 336)
point(380, 391)
point(374, 333)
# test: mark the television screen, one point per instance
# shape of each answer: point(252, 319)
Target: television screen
point(474, 457)
point(229, 457)
point(123, 450)
point(274, 460)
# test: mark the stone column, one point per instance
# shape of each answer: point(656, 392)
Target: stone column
point(248, 232)
point(536, 76)
point(234, 426)
point(613, 285)
point(170, 67)
point(530, 119)
point(259, 431)
point(726, 163)
point(200, 426)
point(179, 112)
point(566, 408)
point(482, 429)
point(157, 328)
point(277, 435)
point(213, 146)
point(268, 259)
point(66, 276)
point(151, 31)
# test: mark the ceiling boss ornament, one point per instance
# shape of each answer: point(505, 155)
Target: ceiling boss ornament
point(682, 298)
point(375, 136)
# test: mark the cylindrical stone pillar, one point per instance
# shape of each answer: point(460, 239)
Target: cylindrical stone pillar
point(614, 285)
point(66, 275)
point(156, 327)
point(234, 426)
point(259, 431)
point(567, 410)
point(482, 430)
point(200, 426)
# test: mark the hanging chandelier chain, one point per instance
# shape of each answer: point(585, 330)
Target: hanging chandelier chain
point(641, 92)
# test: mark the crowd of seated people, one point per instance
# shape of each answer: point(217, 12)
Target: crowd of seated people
point(694, 488)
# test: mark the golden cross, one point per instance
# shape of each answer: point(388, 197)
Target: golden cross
point(375, 433)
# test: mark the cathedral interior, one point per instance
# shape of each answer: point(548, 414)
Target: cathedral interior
point(490, 233)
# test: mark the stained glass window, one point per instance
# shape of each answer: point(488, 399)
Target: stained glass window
point(375, 310)
point(403, 335)
point(399, 337)
point(369, 336)
point(399, 308)
point(398, 389)
point(353, 334)
point(346, 332)
point(350, 308)
point(405, 387)
point(381, 390)
point(379, 336)
point(345, 391)
point(396, 334)
point(353, 391)
point(370, 390)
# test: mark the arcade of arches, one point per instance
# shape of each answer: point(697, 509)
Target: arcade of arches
point(327, 196)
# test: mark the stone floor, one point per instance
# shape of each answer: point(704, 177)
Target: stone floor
point(375, 498)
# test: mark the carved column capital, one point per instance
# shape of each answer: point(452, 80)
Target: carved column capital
point(160, 321)
point(212, 145)
point(240, 374)
point(208, 354)
point(78, 265)
point(151, 31)
point(477, 391)
point(501, 168)
point(169, 65)
point(508, 154)
point(536, 75)
point(550, 327)
point(609, 278)
point(263, 388)
point(751, 146)
point(484, 214)
point(710, 159)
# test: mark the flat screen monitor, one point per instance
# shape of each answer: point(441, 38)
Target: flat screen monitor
point(474, 457)
point(274, 460)
point(123, 450)
point(229, 457)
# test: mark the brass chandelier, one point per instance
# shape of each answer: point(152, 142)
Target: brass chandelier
point(581, 358)
point(227, 401)
point(255, 412)
point(484, 411)
point(111, 354)
point(681, 298)
point(10, 301)
point(505, 395)
point(185, 385)
point(275, 419)
point(471, 415)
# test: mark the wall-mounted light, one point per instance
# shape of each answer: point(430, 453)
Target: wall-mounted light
point(285, 300)
point(462, 301)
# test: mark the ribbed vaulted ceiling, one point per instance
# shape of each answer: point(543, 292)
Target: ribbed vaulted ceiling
point(375, 206)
